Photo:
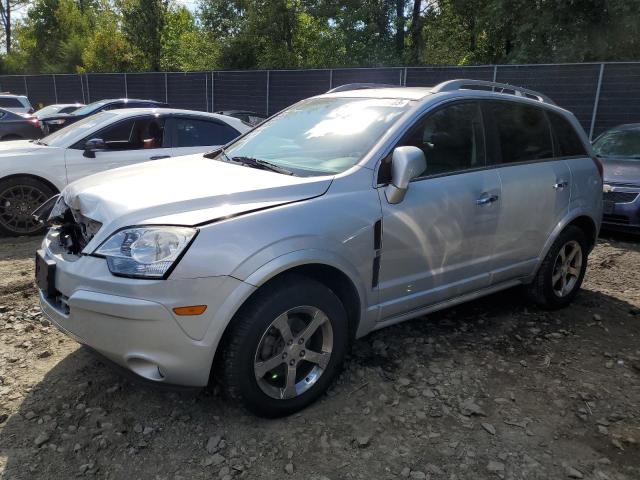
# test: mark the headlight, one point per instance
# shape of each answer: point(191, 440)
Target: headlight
point(145, 252)
point(59, 121)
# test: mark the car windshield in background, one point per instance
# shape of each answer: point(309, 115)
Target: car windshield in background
point(48, 110)
point(619, 143)
point(321, 136)
point(61, 137)
point(88, 108)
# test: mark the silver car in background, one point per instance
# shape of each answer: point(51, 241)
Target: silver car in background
point(259, 263)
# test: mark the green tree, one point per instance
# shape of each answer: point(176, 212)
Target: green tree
point(108, 50)
point(50, 40)
point(143, 22)
point(185, 46)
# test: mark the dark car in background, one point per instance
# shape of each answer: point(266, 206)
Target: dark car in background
point(17, 126)
point(250, 118)
point(58, 108)
point(619, 149)
point(51, 123)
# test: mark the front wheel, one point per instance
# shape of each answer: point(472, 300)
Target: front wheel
point(284, 347)
point(562, 271)
point(19, 197)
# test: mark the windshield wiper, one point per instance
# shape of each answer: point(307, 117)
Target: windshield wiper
point(248, 161)
point(261, 164)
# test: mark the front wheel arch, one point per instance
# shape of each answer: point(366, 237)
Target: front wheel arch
point(333, 278)
point(37, 178)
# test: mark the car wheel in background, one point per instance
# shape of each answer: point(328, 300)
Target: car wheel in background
point(562, 271)
point(284, 347)
point(19, 197)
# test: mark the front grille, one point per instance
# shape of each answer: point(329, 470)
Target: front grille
point(616, 219)
point(620, 197)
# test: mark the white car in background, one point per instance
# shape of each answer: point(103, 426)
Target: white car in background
point(15, 103)
point(31, 171)
point(57, 108)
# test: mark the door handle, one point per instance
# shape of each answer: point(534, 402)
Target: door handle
point(159, 157)
point(487, 199)
point(560, 185)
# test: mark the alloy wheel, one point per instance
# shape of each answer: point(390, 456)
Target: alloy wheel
point(17, 203)
point(293, 352)
point(567, 268)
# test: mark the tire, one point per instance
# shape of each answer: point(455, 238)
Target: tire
point(554, 287)
point(253, 338)
point(19, 197)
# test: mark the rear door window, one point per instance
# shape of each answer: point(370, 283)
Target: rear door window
point(567, 140)
point(523, 132)
point(195, 132)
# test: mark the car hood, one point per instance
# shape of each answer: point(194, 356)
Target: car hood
point(621, 171)
point(12, 148)
point(188, 190)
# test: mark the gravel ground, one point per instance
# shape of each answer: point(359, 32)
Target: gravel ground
point(492, 389)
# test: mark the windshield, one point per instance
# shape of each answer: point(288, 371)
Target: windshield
point(49, 110)
point(321, 136)
point(88, 108)
point(619, 143)
point(76, 130)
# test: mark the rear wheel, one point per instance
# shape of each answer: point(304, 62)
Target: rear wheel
point(284, 347)
point(19, 197)
point(562, 271)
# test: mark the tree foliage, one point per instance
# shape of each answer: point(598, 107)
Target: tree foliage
point(139, 35)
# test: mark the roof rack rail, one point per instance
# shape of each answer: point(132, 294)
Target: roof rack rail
point(460, 84)
point(360, 86)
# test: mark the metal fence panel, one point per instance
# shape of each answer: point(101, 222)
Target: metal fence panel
point(430, 76)
point(188, 90)
point(619, 96)
point(240, 91)
point(41, 90)
point(13, 84)
point(147, 86)
point(105, 85)
point(70, 88)
point(289, 86)
point(391, 76)
point(571, 86)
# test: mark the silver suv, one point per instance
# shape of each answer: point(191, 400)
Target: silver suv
point(259, 263)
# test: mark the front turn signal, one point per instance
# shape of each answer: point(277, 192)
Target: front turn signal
point(190, 310)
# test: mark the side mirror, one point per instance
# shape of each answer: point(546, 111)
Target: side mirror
point(92, 146)
point(407, 163)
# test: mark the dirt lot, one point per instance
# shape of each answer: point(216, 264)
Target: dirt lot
point(491, 389)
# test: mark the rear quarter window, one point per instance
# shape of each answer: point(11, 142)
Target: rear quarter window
point(10, 103)
point(567, 139)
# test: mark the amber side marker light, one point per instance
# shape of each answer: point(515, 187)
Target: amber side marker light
point(190, 310)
